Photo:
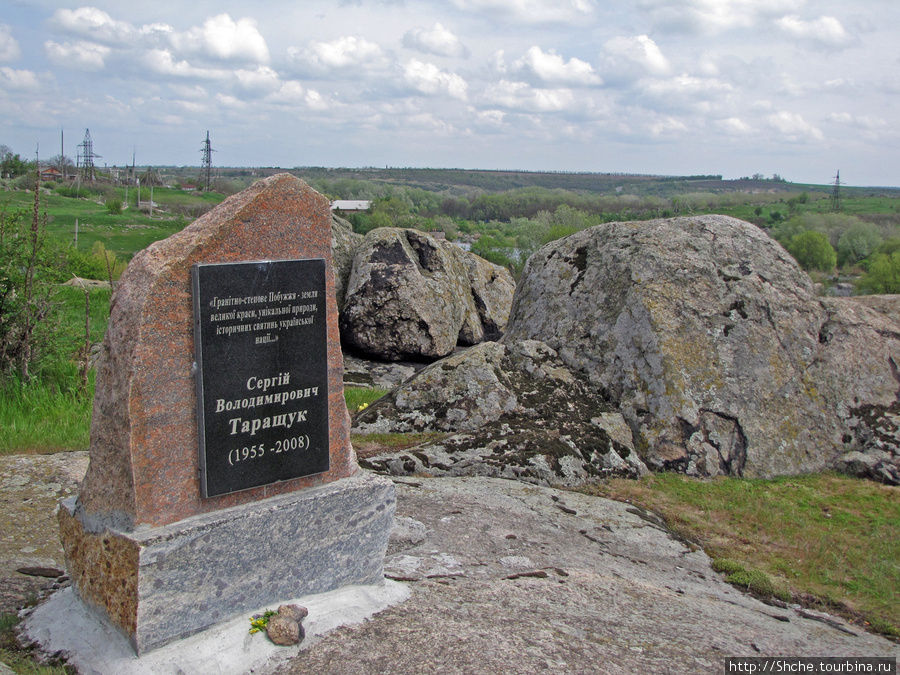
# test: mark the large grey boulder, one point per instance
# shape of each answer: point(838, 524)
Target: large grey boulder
point(411, 296)
point(512, 411)
point(344, 242)
point(711, 342)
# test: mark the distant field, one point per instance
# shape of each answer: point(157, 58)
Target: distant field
point(125, 233)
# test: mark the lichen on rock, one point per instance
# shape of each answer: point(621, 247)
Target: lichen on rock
point(411, 296)
point(512, 411)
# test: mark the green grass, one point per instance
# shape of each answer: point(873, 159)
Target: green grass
point(21, 661)
point(72, 302)
point(821, 538)
point(359, 398)
point(123, 234)
point(47, 415)
point(53, 411)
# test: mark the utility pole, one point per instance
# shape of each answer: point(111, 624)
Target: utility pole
point(207, 161)
point(836, 193)
point(86, 157)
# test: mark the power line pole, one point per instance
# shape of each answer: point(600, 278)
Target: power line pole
point(207, 161)
point(836, 193)
point(86, 157)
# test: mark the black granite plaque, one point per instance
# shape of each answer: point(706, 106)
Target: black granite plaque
point(260, 337)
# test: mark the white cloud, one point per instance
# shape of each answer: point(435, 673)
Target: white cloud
point(491, 118)
point(628, 58)
point(869, 127)
point(436, 40)
point(687, 86)
point(222, 38)
point(18, 80)
point(862, 121)
point(827, 31)
point(260, 80)
point(666, 126)
point(9, 48)
point(714, 16)
point(734, 126)
point(793, 127)
point(80, 55)
point(93, 24)
point(532, 11)
point(342, 53)
point(427, 78)
point(293, 94)
point(551, 68)
point(520, 96)
point(162, 62)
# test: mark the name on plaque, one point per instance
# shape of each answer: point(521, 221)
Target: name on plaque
point(261, 350)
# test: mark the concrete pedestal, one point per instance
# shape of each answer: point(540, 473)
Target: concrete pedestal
point(159, 584)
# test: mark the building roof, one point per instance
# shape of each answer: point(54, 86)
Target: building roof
point(350, 204)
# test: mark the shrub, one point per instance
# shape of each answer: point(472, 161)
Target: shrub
point(813, 251)
point(29, 271)
point(114, 206)
point(857, 243)
point(883, 275)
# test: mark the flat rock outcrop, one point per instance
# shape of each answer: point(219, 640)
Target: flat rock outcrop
point(410, 296)
point(513, 578)
point(504, 578)
point(511, 411)
point(709, 339)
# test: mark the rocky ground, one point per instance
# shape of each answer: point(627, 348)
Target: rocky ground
point(31, 557)
point(506, 577)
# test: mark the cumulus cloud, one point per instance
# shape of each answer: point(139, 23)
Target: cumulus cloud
point(826, 31)
point(340, 54)
point(519, 96)
point(163, 62)
point(222, 38)
point(629, 58)
point(436, 40)
point(666, 126)
point(294, 94)
point(793, 127)
point(18, 80)
point(551, 68)
point(714, 16)
point(262, 79)
point(80, 55)
point(427, 78)
point(532, 11)
point(687, 86)
point(93, 24)
point(9, 48)
point(734, 126)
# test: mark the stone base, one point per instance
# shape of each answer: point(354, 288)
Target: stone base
point(160, 584)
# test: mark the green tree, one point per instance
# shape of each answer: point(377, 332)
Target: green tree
point(11, 165)
point(499, 251)
point(813, 251)
point(857, 243)
point(883, 275)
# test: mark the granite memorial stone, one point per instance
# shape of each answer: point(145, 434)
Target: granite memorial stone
point(221, 474)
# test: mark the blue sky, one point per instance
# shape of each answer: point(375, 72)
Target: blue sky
point(801, 88)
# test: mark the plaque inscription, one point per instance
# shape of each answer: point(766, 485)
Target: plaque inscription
point(260, 342)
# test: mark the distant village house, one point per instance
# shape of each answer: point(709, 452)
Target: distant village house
point(351, 205)
point(51, 173)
